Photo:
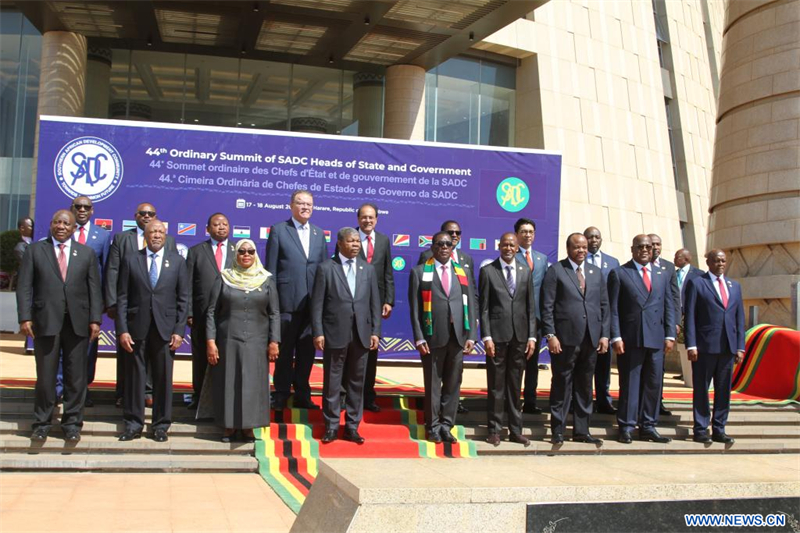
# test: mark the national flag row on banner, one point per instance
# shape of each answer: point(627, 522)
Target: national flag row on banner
point(399, 240)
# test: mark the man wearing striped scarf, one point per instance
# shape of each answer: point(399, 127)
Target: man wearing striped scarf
point(443, 313)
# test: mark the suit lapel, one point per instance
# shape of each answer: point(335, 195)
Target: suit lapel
point(208, 248)
point(339, 272)
point(51, 255)
point(142, 260)
point(296, 237)
point(633, 273)
point(710, 286)
point(573, 276)
point(361, 276)
point(499, 268)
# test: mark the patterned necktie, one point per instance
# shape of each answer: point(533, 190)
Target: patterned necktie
point(581, 280)
point(370, 249)
point(153, 271)
point(722, 293)
point(351, 277)
point(82, 235)
point(445, 280)
point(680, 278)
point(528, 259)
point(218, 256)
point(512, 285)
point(646, 279)
point(62, 261)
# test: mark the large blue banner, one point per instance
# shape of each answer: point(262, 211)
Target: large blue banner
point(189, 172)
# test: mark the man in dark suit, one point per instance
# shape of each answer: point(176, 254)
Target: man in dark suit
point(346, 321)
point(575, 322)
point(602, 369)
point(715, 341)
point(25, 227)
point(294, 251)
point(60, 306)
point(152, 307)
point(537, 262)
point(127, 243)
point(642, 330)
point(99, 240)
point(443, 310)
point(204, 263)
point(508, 329)
point(684, 271)
point(669, 269)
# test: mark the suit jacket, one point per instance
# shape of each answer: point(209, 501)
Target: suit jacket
point(642, 319)
point(382, 263)
point(201, 264)
point(540, 266)
point(505, 317)
point(334, 309)
point(694, 272)
point(293, 271)
point(19, 249)
point(465, 261)
point(99, 240)
point(138, 303)
point(709, 326)
point(607, 264)
point(442, 308)
point(44, 298)
point(668, 268)
point(566, 313)
point(125, 243)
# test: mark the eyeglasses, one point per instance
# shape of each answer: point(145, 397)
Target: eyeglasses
point(454, 233)
point(147, 213)
point(444, 244)
point(81, 207)
point(304, 204)
point(243, 251)
point(644, 246)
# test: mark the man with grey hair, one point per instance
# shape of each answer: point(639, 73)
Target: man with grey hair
point(346, 324)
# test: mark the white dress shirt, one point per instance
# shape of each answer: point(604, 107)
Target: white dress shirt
point(27, 240)
point(140, 238)
point(159, 258)
point(86, 227)
point(304, 232)
point(363, 236)
point(595, 259)
point(513, 265)
point(67, 247)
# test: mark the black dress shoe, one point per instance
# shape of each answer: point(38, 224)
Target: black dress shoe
point(493, 439)
point(73, 436)
point(588, 439)
point(723, 438)
point(625, 437)
point(663, 411)
point(118, 402)
point(40, 434)
point(461, 409)
point(160, 435)
point(278, 404)
point(653, 436)
point(306, 404)
point(448, 437)
point(702, 439)
point(329, 436)
point(606, 410)
point(532, 410)
point(519, 439)
point(353, 436)
point(543, 367)
point(558, 438)
point(434, 438)
point(130, 435)
point(373, 407)
point(88, 402)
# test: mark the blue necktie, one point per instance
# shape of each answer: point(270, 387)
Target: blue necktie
point(512, 285)
point(680, 278)
point(351, 277)
point(153, 271)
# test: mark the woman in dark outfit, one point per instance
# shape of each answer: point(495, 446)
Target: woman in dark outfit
point(244, 331)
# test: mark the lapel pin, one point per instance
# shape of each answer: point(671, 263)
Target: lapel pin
point(591, 271)
point(361, 268)
point(166, 264)
point(74, 253)
point(605, 265)
point(94, 236)
point(659, 272)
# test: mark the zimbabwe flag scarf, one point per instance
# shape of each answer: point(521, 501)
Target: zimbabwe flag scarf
point(427, 283)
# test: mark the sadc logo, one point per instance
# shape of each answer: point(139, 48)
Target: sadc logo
point(513, 194)
point(88, 166)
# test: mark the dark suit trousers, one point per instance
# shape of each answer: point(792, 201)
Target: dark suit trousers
point(718, 367)
point(441, 371)
point(199, 357)
point(296, 357)
point(47, 351)
point(91, 362)
point(344, 368)
point(122, 357)
point(155, 350)
point(369, 381)
point(532, 375)
point(573, 368)
point(602, 379)
point(641, 373)
point(504, 380)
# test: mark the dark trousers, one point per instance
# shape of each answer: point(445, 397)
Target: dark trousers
point(155, 350)
point(718, 367)
point(641, 372)
point(532, 378)
point(91, 362)
point(199, 357)
point(369, 379)
point(441, 371)
point(504, 381)
point(119, 389)
point(602, 379)
point(296, 357)
point(344, 368)
point(47, 352)
point(573, 369)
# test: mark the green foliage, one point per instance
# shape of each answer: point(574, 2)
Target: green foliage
point(8, 260)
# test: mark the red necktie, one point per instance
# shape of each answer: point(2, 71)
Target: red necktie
point(218, 256)
point(62, 262)
point(82, 236)
point(528, 259)
point(445, 280)
point(722, 293)
point(370, 249)
point(646, 279)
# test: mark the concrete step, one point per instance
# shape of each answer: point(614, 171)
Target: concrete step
point(680, 432)
point(111, 445)
point(94, 462)
point(112, 426)
point(25, 407)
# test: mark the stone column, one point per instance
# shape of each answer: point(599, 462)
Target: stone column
point(98, 81)
point(404, 108)
point(755, 192)
point(62, 85)
point(367, 103)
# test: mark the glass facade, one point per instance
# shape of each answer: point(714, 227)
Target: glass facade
point(470, 101)
point(20, 53)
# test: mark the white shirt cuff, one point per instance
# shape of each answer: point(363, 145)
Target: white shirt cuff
point(423, 341)
point(691, 348)
point(531, 339)
point(669, 338)
point(615, 339)
point(486, 339)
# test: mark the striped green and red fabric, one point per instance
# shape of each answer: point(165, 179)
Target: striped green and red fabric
point(771, 365)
